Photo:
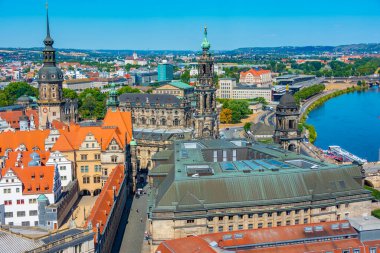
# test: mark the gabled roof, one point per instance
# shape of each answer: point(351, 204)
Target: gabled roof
point(255, 72)
point(30, 139)
point(35, 179)
point(103, 205)
point(13, 117)
point(25, 157)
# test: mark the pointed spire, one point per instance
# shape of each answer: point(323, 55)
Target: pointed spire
point(48, 40)
point(205, 44)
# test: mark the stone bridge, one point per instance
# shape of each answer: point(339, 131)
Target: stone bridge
point(353, 80)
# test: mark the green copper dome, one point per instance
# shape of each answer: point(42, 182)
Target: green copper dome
point(205, 44)
point(133, 142)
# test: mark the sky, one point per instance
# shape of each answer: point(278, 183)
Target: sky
point(177, 25)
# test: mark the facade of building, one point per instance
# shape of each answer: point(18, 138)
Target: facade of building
point(229, 89)
point(65, 167)
point(51, 104)
point(176, 88)
point(96, 150)
point(287, 118)
point(258, 77)
point(206, 116)
point(213, 186)
point(336, 236)
point(165, 72)
point(22, 189)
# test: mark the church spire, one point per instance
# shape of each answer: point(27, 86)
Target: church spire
point(205, 44)
point(48, 41)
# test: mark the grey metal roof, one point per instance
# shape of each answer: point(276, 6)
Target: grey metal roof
point(146, 98)
point(10, 242)
point(261, 129)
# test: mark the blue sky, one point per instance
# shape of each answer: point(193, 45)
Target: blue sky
point(163, 24)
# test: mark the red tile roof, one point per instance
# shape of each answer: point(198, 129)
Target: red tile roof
point(30, 139)
point(25, 158)
point(35, 179)
point(286, 234)
point(255, 72)
point(13, 117)
point(116, 125)
point(105, 200)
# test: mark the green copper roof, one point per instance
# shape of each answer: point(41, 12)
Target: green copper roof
point(133, 142)
point(181, 85)
point(42, 197)
point(205, 44)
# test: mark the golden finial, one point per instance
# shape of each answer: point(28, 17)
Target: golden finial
point(287, 87)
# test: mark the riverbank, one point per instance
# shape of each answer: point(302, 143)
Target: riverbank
point(329, 95)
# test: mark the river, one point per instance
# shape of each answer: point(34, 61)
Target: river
point(351, 121)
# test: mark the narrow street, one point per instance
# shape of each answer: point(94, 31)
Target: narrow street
point(130, 236)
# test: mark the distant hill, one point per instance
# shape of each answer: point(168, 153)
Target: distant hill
point(289, 50)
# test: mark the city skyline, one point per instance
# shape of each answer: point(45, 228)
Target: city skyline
point(163, 26)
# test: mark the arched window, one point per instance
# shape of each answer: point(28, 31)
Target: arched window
point(163, 122)
point(176, 122)
point(153, 121)
point(143, 121)
point(133, 120)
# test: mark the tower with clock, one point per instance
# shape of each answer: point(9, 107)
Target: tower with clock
point(52, 105)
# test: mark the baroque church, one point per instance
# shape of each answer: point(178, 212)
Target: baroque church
point(51, 104)
point(159, 119)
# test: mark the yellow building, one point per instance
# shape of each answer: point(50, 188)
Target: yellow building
point(95, 150)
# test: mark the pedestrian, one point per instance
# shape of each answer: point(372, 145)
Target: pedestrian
point(141, 220)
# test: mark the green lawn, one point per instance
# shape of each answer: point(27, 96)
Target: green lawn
point(376, 213)
point(375, 193)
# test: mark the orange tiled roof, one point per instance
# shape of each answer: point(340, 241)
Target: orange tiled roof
point(35, 179)
point(13, 117)
point(116, 125)
point(255, 72)
point(103, 204)
point(30, 139)
point(266, 236)
point(56, 124)
point(26, 158)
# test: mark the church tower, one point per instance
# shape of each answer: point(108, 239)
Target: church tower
point(113, 101)
point(206, 117)
point(50, 78)
point(287, 119)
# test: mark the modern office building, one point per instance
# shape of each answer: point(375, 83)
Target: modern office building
point(165, 71)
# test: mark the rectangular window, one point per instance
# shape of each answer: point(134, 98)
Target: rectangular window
point(62, 167)
point(230, 228)
point(25, 223)
point(269, 224)
point(278, 223)
point(250, 216)
point(33, 213)
point(250, 226)
point(230, 217)
point(86, 180)
point(287, 222)
point(297, 221)
point(215, 156)
point(220, 229)
point(234, 155)
point(224, 155)
point(32, 201)
point(323, 209)
point(221, 218)
point(17, 189)
point(190, 221)
point(240, 227)
point(372, 250)
point(96, 180)
point(21, 214)
point(83, 157)
point(356, 250)
point(305, 221)
point(97, 156)
point(260, 225)
point(210, 229)
point(84, 169)
point(260, 215)
point(8, 214)
point(98, 168)
point(288, 212)
point(114, 159)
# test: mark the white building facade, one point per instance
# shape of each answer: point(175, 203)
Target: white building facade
point(64, 166)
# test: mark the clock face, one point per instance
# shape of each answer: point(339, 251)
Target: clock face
point(45, 110)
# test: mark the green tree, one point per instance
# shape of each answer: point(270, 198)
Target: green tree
point(92, 104)
point(69, 93)
point(127, 89)
point(15, 90)
point(247, 126)
point(185, 77)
